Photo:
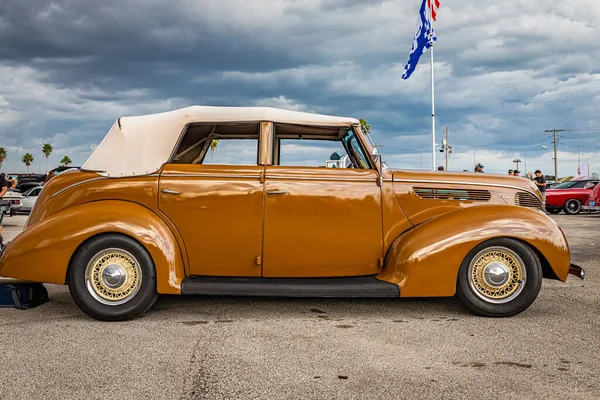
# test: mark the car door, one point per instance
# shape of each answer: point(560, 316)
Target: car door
point(320, 221)
point(212, 191)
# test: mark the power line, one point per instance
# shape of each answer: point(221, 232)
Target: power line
point(583, 130)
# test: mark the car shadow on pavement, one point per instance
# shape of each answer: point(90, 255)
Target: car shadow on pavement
point(233, 308)
point(244, 308)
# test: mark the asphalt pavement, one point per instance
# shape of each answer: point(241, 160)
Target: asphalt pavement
point(261, 348)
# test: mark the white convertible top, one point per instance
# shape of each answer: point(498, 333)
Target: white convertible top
point(141, 145)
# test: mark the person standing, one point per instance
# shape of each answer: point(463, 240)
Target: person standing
point(516, 172)
point(479, 167)
point(540, 181)
point(3, 189)
point(510, 172)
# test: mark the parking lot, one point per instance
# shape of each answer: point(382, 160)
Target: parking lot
point(260, 348)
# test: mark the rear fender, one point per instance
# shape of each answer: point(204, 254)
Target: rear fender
point(425, 260)
point(42, 253)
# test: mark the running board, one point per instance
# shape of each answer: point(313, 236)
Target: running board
point(358, 286)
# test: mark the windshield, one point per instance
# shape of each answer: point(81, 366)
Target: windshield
point(27, 193)
point(564, 185)
point(355, 150)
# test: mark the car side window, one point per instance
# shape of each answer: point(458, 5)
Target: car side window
point(324, 147)
point(232, 152)
point(219, 144)
point(313, 153)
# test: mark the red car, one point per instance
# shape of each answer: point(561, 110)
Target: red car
point(593, 201)
point(568, 200)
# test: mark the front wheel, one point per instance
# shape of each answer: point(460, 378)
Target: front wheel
point(112, 278)
point(572, 207)
point(499, 278)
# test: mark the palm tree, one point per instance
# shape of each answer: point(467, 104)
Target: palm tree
point(213, 145)
point(65, 161)
point(47, 150)
point(2, 155)
point(28, 160)
point(364, 125)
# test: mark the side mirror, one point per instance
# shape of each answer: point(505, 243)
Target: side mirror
point(382, 166)
point(378, 160)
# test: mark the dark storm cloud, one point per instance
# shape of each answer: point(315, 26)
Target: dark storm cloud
point(126, 41)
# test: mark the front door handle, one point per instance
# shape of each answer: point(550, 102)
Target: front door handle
point(165, 190)
point(274, 192)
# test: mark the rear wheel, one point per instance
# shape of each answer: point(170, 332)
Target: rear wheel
point(112, 278)
point(572, 207)
point(499, 278)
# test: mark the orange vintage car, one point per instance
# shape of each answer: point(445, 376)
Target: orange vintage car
point(247, 201)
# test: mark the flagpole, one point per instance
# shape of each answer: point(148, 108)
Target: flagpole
point(432, 92)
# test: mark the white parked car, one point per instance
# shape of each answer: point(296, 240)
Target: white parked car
point(30, 197)
point(13, 201)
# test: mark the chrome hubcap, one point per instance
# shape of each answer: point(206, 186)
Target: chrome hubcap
point(113, 276)
point(573, 206)
point(496, 274)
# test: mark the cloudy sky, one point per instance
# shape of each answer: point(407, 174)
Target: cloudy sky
point(505, 72)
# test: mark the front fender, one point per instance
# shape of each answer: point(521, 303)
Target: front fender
point(425, 260)
point(43, 251)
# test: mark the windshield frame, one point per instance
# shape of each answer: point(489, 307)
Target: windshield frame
point(370, 146)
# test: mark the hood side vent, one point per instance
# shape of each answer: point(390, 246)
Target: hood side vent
point(525, 199)
point(453, 194)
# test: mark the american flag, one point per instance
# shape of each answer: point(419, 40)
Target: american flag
point(436, 6)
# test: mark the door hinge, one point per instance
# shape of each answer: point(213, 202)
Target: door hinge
point(381, 263)
point(259, 261)
point(261, 179)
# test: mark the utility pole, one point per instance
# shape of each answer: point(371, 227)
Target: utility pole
point(555, 142)
point(446, 148)
point(447, 145)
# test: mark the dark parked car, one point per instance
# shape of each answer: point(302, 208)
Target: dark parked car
point(582, 184)
point(24, 182)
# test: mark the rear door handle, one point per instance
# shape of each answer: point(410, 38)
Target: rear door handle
point(274, 192)
point(165, 190)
